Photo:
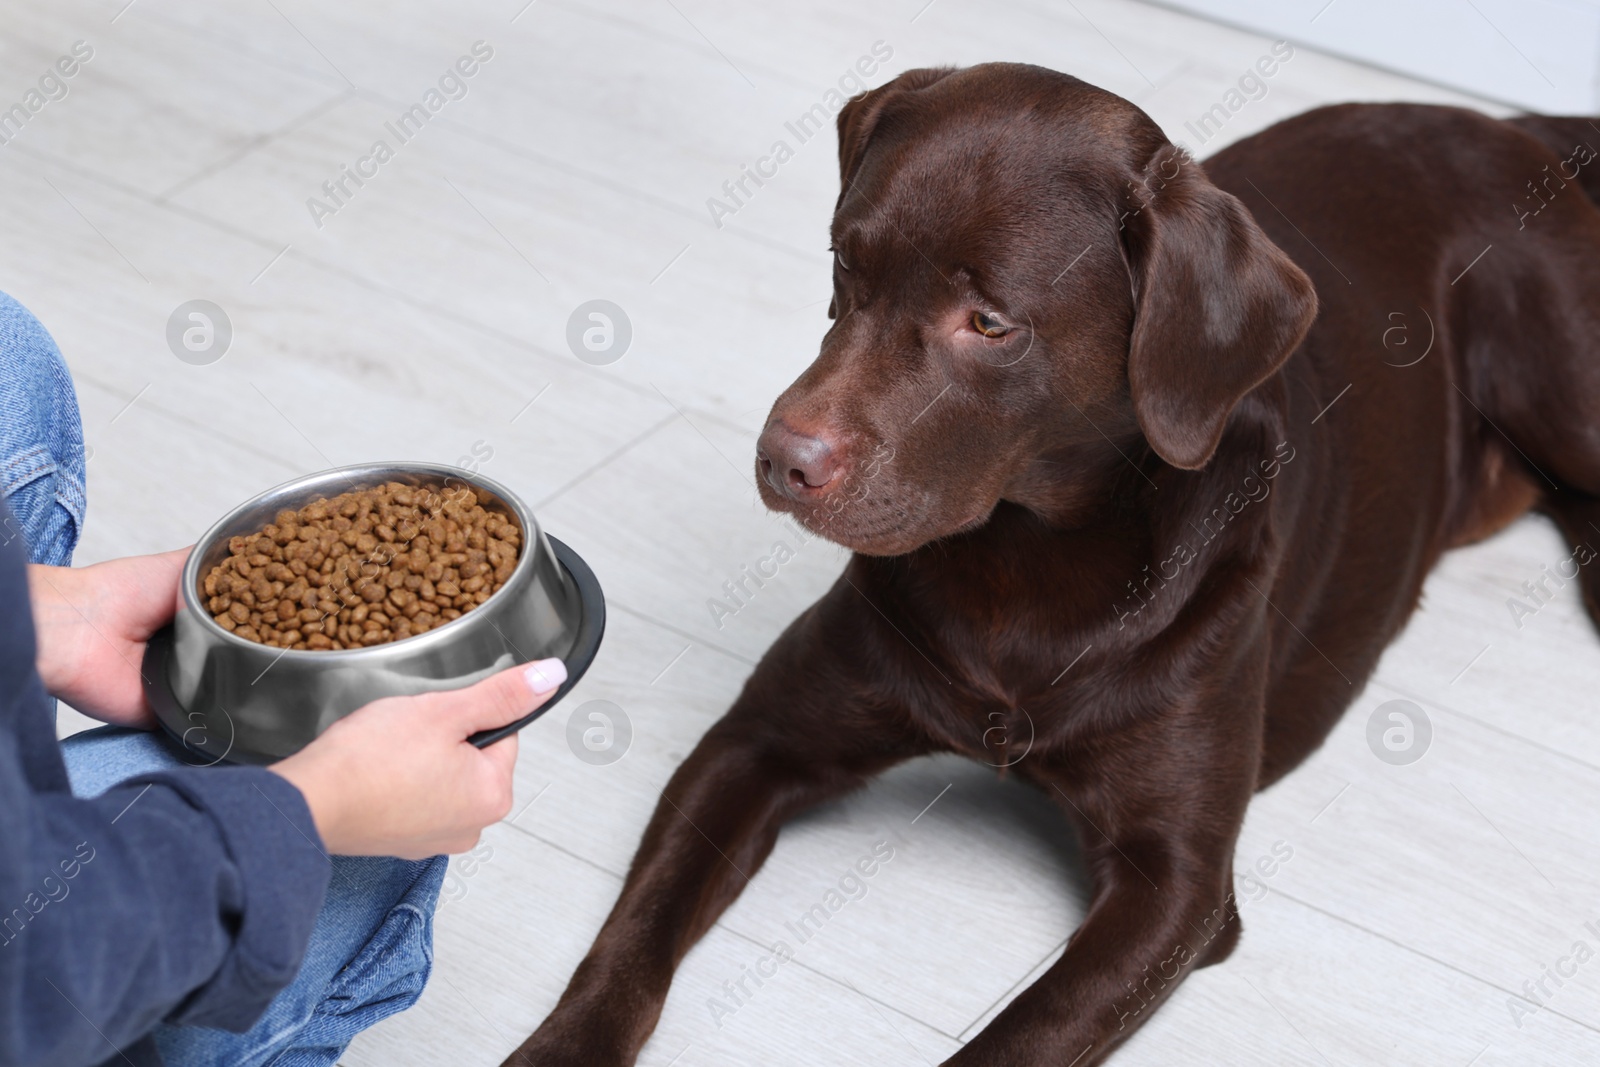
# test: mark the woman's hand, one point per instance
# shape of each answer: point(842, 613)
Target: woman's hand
point(92, 624)
point(394, 778)
point(398, 776)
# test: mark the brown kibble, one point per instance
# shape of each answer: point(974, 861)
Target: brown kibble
point(363, 567)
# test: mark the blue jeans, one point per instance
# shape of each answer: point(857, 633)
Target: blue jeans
point(41, 439)
point(372, 948)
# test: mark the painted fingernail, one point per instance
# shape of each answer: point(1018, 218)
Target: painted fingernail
point(545, 675)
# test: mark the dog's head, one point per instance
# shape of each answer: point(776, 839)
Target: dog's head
point(1031, 285)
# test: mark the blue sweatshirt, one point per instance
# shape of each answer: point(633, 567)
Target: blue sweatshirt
point(184, 897)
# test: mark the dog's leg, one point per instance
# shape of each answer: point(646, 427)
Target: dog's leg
point(1533, 364)
point(1158, 815)
point(1578, 516)
point(800, 733)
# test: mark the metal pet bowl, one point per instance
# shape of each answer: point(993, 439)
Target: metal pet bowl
point(227, 698)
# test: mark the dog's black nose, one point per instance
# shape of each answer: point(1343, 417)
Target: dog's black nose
point(794, 463)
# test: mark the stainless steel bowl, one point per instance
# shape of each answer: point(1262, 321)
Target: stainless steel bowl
point(226, 698)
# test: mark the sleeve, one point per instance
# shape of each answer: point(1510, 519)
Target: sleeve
point(186, 897)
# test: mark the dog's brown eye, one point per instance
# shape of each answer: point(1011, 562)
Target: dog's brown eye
point(988, 325)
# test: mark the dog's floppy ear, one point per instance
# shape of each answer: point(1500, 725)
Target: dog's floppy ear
point(861, 112)
point(1217, 307)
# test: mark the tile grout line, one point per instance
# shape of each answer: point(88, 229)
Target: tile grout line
point(563, 850)
point(839, 982)
point(1483, 724)
point(679, 631)
point(962, 1037)
point(610, 457)
point(1423, 955)
point(413, 303)
point(593, 177)
point(721, 925)
point(259, 141)
point(184, 420)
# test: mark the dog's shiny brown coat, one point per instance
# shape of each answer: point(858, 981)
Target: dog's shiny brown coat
point(1167, 467)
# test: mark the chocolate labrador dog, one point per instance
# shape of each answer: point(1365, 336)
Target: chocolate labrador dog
point(1135, 465)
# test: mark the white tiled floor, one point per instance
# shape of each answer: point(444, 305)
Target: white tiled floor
point(424, 317)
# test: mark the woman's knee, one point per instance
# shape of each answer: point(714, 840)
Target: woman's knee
point(41, 439)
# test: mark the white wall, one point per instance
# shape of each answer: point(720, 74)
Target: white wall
point(1543, 55)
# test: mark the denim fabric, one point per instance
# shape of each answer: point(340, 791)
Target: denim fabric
point(41, 439)
point(369, 956)
point(371, 949)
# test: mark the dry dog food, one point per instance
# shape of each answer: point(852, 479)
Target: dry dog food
point(364, 567)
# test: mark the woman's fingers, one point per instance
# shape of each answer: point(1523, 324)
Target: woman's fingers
point(394, 777)
point(505, 697)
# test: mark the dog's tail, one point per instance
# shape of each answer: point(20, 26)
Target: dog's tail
point(1572, 138)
